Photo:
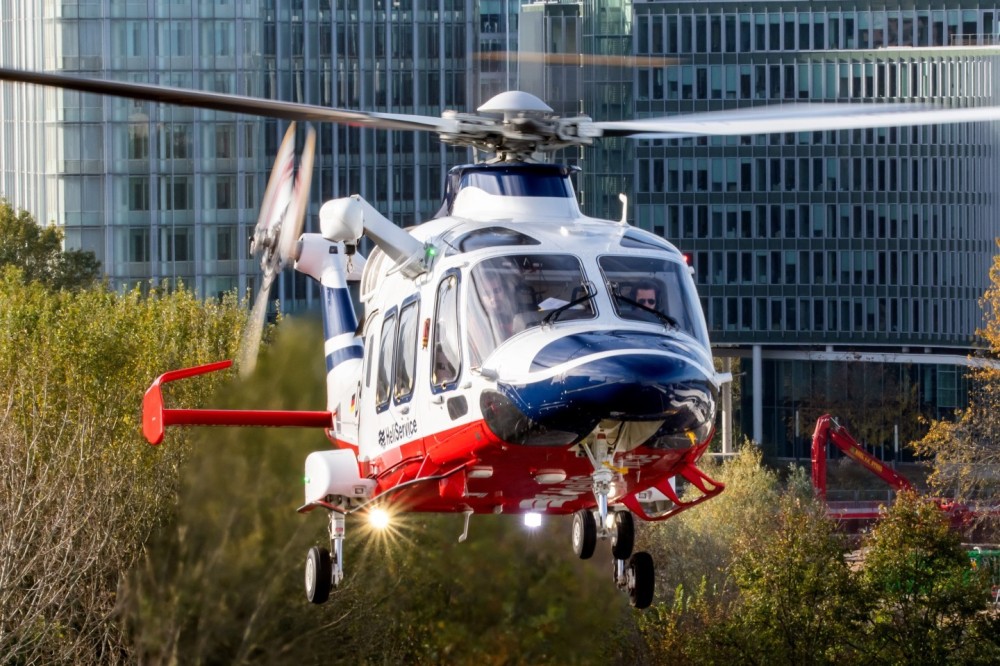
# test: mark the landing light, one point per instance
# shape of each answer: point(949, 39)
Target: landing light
point(378, 518)
point(532, 520)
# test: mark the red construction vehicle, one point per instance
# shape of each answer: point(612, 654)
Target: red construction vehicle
point(830, 431)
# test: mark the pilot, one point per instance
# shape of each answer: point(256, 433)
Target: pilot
point(647, 294)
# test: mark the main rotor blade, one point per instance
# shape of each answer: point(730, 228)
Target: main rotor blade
point(233, 103)
point(781, 118)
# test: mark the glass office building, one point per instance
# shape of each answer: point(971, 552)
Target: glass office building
point(814, 253)
point(819, 251)
point(160, 192)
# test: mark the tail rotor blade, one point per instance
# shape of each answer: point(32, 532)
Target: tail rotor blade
point(279, 226)
point(250, 343)
point(277, 196)
point(295, 214)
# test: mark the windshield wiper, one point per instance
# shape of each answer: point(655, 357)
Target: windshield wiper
point(665, 318)
point(552, 316)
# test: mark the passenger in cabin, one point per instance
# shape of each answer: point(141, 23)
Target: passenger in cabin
point(502, 304)
point(444, 370)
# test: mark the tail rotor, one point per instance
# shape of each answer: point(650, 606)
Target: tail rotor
point(279, 226)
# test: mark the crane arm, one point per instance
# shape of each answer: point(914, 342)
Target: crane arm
point(828, 430)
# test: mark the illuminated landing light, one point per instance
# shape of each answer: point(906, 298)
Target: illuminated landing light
point(532, 520)
point(378, 518)
point(480, 473)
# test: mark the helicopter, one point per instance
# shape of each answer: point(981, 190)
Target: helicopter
point(514, 355)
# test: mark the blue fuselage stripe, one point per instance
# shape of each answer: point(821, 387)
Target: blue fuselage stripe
point(338, 312)
point(336, 358)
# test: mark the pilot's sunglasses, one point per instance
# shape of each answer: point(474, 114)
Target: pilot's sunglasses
point(647, 301)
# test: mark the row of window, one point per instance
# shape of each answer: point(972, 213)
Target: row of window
point(698, 32)
point(397, 347)
point(844, 221)
point(937, 318)
point(176, 243)
point(806, 269)
point(169, 192)
point(812, 174)
point(960, 77)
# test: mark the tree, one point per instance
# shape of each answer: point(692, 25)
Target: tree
point(698, 544)
point(80, 491)
point(926, 604)
point(797, 601)
point(38, 252)
point(966, 450)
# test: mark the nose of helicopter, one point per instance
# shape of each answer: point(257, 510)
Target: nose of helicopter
point(578, 381)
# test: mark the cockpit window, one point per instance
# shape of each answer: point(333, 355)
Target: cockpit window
point(653, 289)
point(509, 294)
point(491, 237)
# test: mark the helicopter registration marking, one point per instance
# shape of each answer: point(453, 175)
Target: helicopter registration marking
point(396, 432)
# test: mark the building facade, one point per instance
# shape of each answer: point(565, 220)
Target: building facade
point(166, 193)
point(826, 259)
point(829, 261)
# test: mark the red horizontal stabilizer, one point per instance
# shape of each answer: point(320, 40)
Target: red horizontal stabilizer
point(155, 418)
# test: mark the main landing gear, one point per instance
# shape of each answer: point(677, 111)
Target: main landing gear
point(633, 573)
point(325, 571)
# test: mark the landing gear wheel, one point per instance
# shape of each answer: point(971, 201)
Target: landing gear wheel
point(584, 534)
point(319, 575)
point(623, 535)
point(640, 581)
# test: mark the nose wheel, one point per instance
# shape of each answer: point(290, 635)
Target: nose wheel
point(622, 535)
point(634, 573)
point(637, 578)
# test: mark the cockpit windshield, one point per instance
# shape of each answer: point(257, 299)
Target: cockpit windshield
point(653, 289)
point(511, 293)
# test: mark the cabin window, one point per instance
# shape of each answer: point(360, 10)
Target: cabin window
point(655, 290)
point(406, 352)
point(447, 356)
point(515, 292)
point(387, 345)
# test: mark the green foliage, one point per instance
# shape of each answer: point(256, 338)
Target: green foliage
point(224, 582)
point(81, 490)
point(797, 600)
point(38, 252)
point(926, 603)
point(781, 592)
point(698, 544)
